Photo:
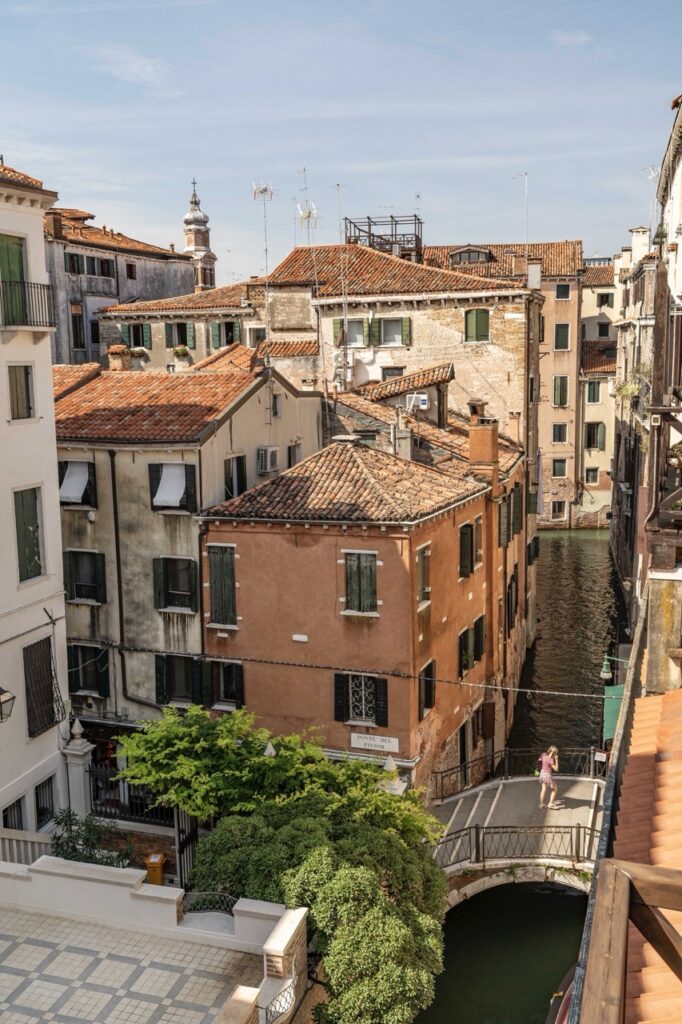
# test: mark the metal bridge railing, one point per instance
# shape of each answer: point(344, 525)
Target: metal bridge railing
point(478, 844)
point(588, 762)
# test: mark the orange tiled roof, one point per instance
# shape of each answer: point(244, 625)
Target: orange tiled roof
point(10, 176)
point(350, 482)
point(594, 358)
point(559, 259)
point(601, 275)
point(66, 378)
point(648, 832)
point(241, 356)
point(228, 297)
point(289, 349)
point(75, 230)
point(70, 213)
point(129, 407)
point(427, 378)
point(358, 270)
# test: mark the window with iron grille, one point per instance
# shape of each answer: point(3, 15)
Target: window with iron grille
point(44, 794)
point(362, 690)
point(13, 816)
point(88, 667)
point(44, 705)
point(360, 698)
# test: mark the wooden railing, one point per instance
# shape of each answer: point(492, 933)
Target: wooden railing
point(18, 847)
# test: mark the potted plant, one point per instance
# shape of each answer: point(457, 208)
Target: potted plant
point(139, 356)
point(183, 357)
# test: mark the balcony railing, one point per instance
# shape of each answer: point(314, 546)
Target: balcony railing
point(26, 304)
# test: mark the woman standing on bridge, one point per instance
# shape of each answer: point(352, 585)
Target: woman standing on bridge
point(549, 762)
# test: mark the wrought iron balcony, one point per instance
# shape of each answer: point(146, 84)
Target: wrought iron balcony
point(26, 304)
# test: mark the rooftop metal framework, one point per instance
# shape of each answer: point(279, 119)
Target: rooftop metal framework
point(399, 236)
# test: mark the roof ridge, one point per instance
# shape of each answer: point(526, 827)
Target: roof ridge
point(369, 476)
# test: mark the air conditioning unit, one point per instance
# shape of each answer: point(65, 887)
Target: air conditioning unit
point(267, 460)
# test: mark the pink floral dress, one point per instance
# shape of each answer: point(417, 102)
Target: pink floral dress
point(546, 765)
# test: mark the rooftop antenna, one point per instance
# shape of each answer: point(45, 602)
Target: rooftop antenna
point(652, 173)
point(307, 211)
point(264, 193)
point(343, 256)
point(417, 202)
point(524, 175)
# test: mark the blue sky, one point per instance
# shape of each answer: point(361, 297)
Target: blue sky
point(116, 104)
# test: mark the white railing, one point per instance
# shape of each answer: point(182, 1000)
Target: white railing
point(19, 847)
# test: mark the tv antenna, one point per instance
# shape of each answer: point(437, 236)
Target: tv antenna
point(417, 202)
point(307, 216)
point(264, 193)
point(652, 174)
point(524, 175)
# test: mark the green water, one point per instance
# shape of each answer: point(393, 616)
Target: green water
point(506, 951)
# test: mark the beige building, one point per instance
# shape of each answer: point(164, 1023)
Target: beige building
point(597, 415)
point(139, 454)
point(33, 670)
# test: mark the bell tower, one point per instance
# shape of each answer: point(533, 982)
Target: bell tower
point(198, 243)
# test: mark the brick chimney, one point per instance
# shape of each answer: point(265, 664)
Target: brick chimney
point(401, 436)
point(483, 447)
point(53, 223)
point(519, 264)
point(119, 357)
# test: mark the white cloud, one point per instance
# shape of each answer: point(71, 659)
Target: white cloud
point(126, 64)
point(576, 38)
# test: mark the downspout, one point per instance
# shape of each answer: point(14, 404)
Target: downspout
point(203, 528)
point(119, 588)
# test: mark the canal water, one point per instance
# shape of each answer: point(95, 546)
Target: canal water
point(507, 949)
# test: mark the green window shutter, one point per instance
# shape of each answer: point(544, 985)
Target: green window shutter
point(561, 337)
point(601, 436)
point(168, 328)
point(532, 502)
point(503, 524)
point(159, 583)
point(161, 694)
point(341, 697)
point(189, 499)
point(479, 638)
point(81, 264)
point(337, 329)
point(102, 667)
point(353, 582)
point(197, 682)
point(557, 390)
point(194, 586)
point(466, 550)
point(154, 480)
point(482, 325)
point(536, 547)
point(381, 702)
point(238, 677)
point(516, 509)
point(421, 697)
point(368, 583)
point(125, 334)
point(91, 492)
point(66, 261)
point(72, 665)
point(373, 335)
point(470, 325)
point(146, 335)
point(222, 585)
point(191, 337)
point(237, 335)
point(471, 646)
point(430, 689)
point(207, 694)
point(100, 579)
point(69, 583)
point(406, 331)
point(215, 335)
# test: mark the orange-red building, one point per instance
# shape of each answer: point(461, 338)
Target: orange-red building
point(380, 600)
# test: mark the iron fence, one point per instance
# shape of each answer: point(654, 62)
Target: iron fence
point(480, 843)
point(112, 797)
point(281, 1004)
point(209, 903)
point(510, 763)
point(26, 304)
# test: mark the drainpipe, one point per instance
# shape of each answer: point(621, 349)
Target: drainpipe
point(203, 527)
point(119, 588)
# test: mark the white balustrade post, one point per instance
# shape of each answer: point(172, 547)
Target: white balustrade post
point(78, 755)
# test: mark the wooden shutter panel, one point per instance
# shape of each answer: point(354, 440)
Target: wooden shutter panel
point(146, 335)
point(215, 335)
point(466, 550)
point(341, 697)
point(536, 546)
point(81, 264)
point(197, 682)
point(406, 331)
point(189, 498)
point(66, 261)
point(421, 689)
point(237, 331)
point(159, 583)
point(91, 492)
point(374, 332)
point(69, 582)
point(102, 666)
point(217, 584)
point(238, 676)
point(482, 325)
point(353, 582)
point(503, 523)
point(161, 695)
point(381, 701)
point(479, 638)
point(168, 328)
point(194, 586)
point(601, 436)
point(72, 665)
point(337, 328)
point(531, 502)
point(207, 670)
point(471, 646)
point(430, 694)
point(470, 325)
point(154, 480)
point(125, 334)
point(191, 338)
point(100, 579)
point(368, 583)
point(489, 720)
point(516, 509)
point(241, 473)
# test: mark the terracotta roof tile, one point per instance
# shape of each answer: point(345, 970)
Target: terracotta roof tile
point(10, 176)
point(559, 259)
point(241, 356)
point(597, 357)
point(289, 349)
point(350, 482)
point(358, 270)
point(230, 297)
point(600, 275)
point(66, 378)
point(129, 407)
point(76, 231)
point(426, 378)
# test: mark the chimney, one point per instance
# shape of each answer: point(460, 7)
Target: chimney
point(641, 244)
point(171, 246)
point(519, 263)
point(401, 436)
point(53, 223)
point(483, 449)
point(119, 357)
point(534, 274)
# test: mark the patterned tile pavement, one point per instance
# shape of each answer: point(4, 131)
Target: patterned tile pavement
point(57, 971)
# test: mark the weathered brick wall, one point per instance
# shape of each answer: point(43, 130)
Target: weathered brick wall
point(144, 844)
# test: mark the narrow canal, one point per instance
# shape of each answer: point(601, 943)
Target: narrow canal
point(507, 949)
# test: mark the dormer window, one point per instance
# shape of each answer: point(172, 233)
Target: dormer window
point(468, 255)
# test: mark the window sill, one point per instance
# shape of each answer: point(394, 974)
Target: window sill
point(23, 419)
point(224, 706)
point(422, 606)
point(69, 506)
point(84, 600)
point(172, 511)
point(182, 704)
point(218, 625)
point(476, 341)
point(350, 613)
point(177, 611)
point(85, 693)
point(364, 725)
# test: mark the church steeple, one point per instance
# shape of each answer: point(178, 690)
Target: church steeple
point(198, 244)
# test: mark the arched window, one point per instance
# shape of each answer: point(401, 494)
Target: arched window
point(469, 255)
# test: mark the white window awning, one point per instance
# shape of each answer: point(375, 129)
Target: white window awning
point(74, 483)
point(171, 487)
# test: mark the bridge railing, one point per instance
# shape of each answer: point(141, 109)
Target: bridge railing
point(478, 844)
point(589, 762)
